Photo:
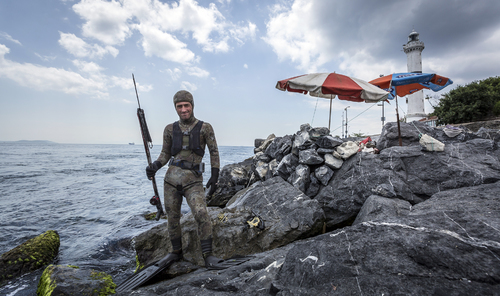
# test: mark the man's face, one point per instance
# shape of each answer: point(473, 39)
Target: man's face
point(184, 110)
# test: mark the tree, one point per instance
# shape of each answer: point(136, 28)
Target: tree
point(472, 102)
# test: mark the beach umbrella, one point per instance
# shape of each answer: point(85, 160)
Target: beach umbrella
point(329, 85)
point(402, 84)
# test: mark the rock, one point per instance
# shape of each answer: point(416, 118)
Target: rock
point(313, 187)
point(261, 169)
point(323, 174)
point(279, 147)
point(265, 144)
point(300, 177)
point(287, 165)
point(333, 162)
point(288, 215)
point(325, 151)
point(329, 142)
point(485, 133)
point(385, 190)
point(347, 149)
point(70, 280)
point(258, 142)
point(317, 132)
point(379, 208)
point(232, 178)
point(302, 139)
point(261, 156)
point(310, 157)
point(413, 174)
point(446, 245)
point(31, 255)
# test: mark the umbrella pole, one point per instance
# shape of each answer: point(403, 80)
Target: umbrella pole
point(330, 117)
point(397, 118)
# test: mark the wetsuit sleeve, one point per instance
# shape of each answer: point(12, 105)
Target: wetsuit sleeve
point(165, 153)
point(209, 135)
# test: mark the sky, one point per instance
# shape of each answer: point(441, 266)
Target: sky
point(66, 65)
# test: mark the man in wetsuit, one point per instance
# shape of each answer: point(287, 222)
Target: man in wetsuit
point(184, 143)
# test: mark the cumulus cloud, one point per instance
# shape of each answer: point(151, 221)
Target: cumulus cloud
point(81, 49)
point(48, 78)
point(90, 81)
point(358, 37)
point(106, 21)
point(165, 28)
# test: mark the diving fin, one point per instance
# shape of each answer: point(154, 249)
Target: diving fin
point(148, 273)
point(214, 263)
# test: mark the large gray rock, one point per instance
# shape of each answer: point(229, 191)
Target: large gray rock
point(232, 178)
point(414, 175)
point(447, 245)
point(310, 157)
point(288, 215)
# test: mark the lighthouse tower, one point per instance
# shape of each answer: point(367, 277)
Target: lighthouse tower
point(413, 49)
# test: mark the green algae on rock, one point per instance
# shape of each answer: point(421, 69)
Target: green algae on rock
point(72, 280)
point(33, 254)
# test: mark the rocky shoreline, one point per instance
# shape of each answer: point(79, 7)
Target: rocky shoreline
point(346, 217)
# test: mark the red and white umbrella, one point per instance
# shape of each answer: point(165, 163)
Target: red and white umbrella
point(326, 85)
point(329, 85)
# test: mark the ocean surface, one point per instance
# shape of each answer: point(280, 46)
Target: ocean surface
point(94, 196)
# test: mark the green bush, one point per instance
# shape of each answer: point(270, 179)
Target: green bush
point(472, 102)
point(496, 109)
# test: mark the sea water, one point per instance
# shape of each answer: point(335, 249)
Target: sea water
point(94, 196)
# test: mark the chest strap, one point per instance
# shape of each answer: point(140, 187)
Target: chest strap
point(194, 139)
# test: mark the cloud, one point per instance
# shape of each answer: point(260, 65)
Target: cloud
point(166, 28)
point(48, 78)
point(158, 43)
point(106, 21)
point(188, 86)
point(174, 73)
point(6, 36)
point(79, 48)
point(90, 81)
point(245, 66)
point(359, 37)
point(195, 71)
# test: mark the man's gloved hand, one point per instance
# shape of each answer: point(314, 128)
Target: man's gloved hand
point(151, 169)
point(212, 182)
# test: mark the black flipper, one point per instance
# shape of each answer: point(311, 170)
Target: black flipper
point(147, 273)
point(214, 263)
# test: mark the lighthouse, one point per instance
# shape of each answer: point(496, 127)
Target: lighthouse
point(413, 49)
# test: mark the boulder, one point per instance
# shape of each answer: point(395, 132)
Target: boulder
point(447, 245)
point(310, 157)
point(232, 178)
point(329, 142)
point(379, 208)
point(265, 144)
point(414, 175)
point(300, 178)
point(323, 174)
point(31, 255)
point(58, 280)
point(287, 165)
point(346, 150)
point(333, 162)
point(287, 213)
point(318, 132)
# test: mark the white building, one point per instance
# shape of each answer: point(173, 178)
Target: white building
point(413, 50)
